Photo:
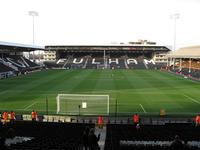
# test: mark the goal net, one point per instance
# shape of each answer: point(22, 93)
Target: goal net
point(82, 104)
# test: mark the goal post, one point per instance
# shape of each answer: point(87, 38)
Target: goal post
point(83, 104)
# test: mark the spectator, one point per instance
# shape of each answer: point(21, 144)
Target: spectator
point(136, 119)
point(85, 138)
point(34, 115)
point(177, 144)
point(197, 120)
point(12, 117)
point(5, 117)
point(93, 140)
point(100, 122)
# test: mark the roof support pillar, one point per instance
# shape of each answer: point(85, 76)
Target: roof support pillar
point(190, 63)
point(180, 64)
point(104, 58)
point(174, 62)
point(167, 62)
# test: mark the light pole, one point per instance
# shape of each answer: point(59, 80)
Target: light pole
point(33, 14)
point(175, 17)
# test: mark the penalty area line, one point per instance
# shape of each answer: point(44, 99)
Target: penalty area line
point(192, 99)
point(143, 108)
point(30, 105)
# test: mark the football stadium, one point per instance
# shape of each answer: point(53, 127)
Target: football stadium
point(110, 80)
point(84, 82)
point(103, 75)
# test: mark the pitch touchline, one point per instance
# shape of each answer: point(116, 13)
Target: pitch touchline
point(30, 105)
point(190, 98)
point(143, 108)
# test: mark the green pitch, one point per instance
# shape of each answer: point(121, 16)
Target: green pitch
point(141, 91)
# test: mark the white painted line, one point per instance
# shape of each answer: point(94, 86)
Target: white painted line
point(192, 99)
point(143, 108)
point(30, 105)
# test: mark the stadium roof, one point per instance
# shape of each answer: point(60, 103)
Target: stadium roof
point(186, 52)
point(106, 47)
point(7, 46)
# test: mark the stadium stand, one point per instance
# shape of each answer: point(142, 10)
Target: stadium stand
point(105, 56)
point(12, 61)
point(111, 61)
point(24, 135)
point(126, 137)
point(53, 64)
point(5, 71)
point(185, 61)
point(45, 135)
point(186, 72)
point(95, 61)
point(21, 63)
point(16, 65)
point(4, 68)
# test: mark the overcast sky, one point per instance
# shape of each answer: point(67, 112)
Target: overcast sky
point(100, 21)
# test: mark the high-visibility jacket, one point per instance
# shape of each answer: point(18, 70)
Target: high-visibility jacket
point(5, 115)
point(12, 115)
point(34, 115)
point(197, 119)
point(136, 118)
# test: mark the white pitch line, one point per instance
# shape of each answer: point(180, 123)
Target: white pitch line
point(190, 98)
point(143, 108)
point(30, 105)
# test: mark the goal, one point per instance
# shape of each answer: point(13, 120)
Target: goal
point(82, 104)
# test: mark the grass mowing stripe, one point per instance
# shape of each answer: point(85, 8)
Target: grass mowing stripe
point(152, 89)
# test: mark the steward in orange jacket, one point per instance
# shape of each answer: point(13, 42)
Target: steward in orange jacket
point(197, 120)
point(5, 117)
point(34, 115)
point(12, 116)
